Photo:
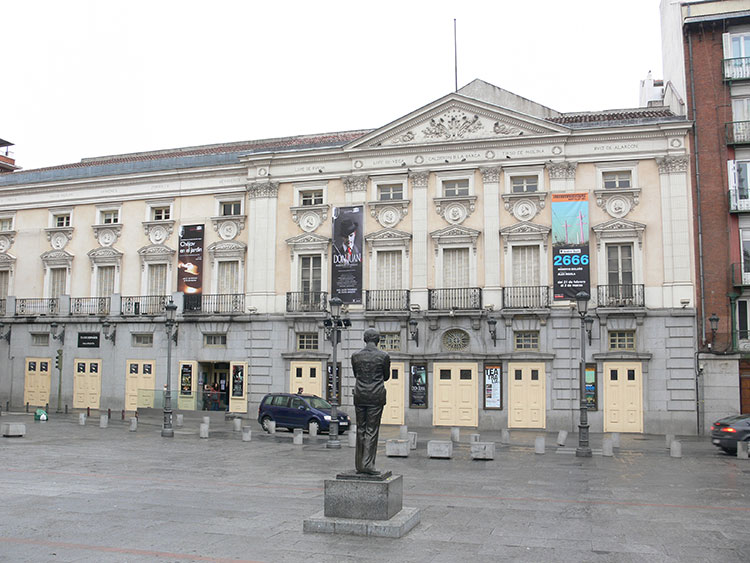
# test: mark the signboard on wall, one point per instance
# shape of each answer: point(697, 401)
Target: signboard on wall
point(346, 268)
point(493, 386)
point(329, 382)
point(570, 245)
point(190, 265)
point(418, 386)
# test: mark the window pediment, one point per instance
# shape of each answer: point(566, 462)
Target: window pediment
point(57, 258)
point(456, 235)
point(156, 253)
point(619, 229)
point(388, 238)
point(308, 243)
point(228, 250)
point(525, 232)
point(105, 256)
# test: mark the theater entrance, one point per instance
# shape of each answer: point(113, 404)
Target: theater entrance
point(221, 386)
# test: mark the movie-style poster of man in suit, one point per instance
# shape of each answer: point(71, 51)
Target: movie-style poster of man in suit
point(346, 271)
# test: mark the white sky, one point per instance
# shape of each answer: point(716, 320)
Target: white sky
point(92, 78)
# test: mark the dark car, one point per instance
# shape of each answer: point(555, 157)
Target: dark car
point(290, 410)
point(725, 433)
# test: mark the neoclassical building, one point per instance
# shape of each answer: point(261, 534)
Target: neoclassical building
point(463, 231)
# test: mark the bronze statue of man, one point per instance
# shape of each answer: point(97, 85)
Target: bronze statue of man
point(372, 368)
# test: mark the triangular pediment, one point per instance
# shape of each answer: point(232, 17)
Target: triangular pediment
point(455, 233)
point(104, 252)
point(619, 229)
point(308, 238)
point(388, 235)
point(457, 118)
point(525, 228)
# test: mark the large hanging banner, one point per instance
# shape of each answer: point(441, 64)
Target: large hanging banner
point(346, 271)
point(190, 265)
point(570, 245)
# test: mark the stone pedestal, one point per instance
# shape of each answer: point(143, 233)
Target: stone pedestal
point(13, 429)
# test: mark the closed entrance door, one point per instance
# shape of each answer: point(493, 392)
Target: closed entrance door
point(393, 413)
point(187, 399)
point(307, 376)
point(623, 397)
point(456, 394)
point(87, 383)
point(37, 381)
point(139, 384)
point(527, 395)
point(238, 387)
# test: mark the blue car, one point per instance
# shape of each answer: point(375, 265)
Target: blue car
point(289, 410)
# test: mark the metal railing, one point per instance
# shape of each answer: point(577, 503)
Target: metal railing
point(89, 306)
point(144, 305)
point(739, 199)
point(737, 68)
point(460, 298)
point(306, 301)
point(387, 300)
point(215, 303)
point(740, 274)
point(626, 295)
point(738, 132)
point(2, 307)
point(526, 297)
point(37, 306)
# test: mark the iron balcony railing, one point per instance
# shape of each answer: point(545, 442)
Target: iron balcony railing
point(215, 303)
point(387, 300)
point(459, 298)
point(624, 295)
point(739, 199)
point(526, 297)
point(144, 305)
point(740, 274)
point(737, 68)
point(37, 306)
point(2, 307)
point(306, 301)
point(89, 306)
point(738, 132)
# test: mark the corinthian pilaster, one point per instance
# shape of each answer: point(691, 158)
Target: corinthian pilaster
point(262, 189)
point(672, 164)
point(355, 183)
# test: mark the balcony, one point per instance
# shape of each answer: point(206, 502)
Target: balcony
point(455, 298)
point(738, 132)
point(737, 69)
point(232, 303)
point(2, 307)
point(526, 297)
point(306, 301)
point(34, 306)
point(741, 275)
point(625, 295)
point(739, 200)
point(144, 305)
point(387, 300)
point(89, 306)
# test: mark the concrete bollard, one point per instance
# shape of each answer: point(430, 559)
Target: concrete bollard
point(271, 426)
point(675, 449)
point(13, 429)
point(483, 450)
point(440, 449)
point(505, 436)
point(607, 446)
point(82, 419)
point(298, 437)
point(615, 439)
point(742, 450)
point(247, 434)
point(180, 420)
point(397, 448)
point(203, 430)
point(403, 432)
point(133, 424)
point(539, 445)
point(455, 434)
point(313, 430)
point(561, 437)
point(237, 422)
point(473, 438)
point(669, 439)
point(412, 440)
point(207, 420)
point(352, 437)
point(103, 420)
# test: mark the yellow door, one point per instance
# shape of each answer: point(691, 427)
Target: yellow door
point(527, 395)
point(238, 387)
point(87, 383)
point(306, 376)
point(140, 382)
point(187, 399)
point(623, 397)
point(37, 381)
point(393, 413)
point(456, 394)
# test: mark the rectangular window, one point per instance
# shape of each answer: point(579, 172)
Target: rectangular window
point(526, 339)
point(456, 267)
point(110, 216)
point(61, 220)
point(161, 213)
point(231, 208)
point(389, 269)
point(387, 192)
point(157, 279)
point(743, 319)
point(228, 277)
point(58, 278)
point(143, 340)
point(6, 224)
point(390, 341)
point(215, 340)
point(4, 283)
point(618, 179)
point(620, 264)
point(622, 340)
point(522, 184)
point(40, 339)
point(526, 271)
point(105, 281)
point(311, 197)
point(455, 188)
point(310, 274)
point(307, 341)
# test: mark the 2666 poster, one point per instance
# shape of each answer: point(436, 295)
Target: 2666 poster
point(570, 245)
point(346, 270)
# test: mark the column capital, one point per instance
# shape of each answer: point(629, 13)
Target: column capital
point(262, 189)
point(419, 179)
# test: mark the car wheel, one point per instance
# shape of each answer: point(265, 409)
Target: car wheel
point(313, 424)
point(729, 451)
point(264, 423)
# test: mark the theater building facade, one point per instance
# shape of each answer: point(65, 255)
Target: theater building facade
point(462, 231)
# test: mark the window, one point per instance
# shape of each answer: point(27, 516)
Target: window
point(307, 341)
point(58, 278)
point(522, 184)
point(215, 340)
point(620, 264)
point(743, 319)
point(388, 192)
point(161, 213)
point(61, 220)
point(6, 223)
point(311, 197)
point(617, 180)
point(143, 340)
point(526, 266)
point(389, 269)
point(390, 341)
point(455, 188)
point(310, 274)
point(4, 283)
point(157, 279)
point(228, 277)
point(40, 339)
point(622, 340)
point(526, 339)
point(105, 281)
point(109, 216)
point(738, 172)
point(230, 208)
point(736, 55)
point(455, 267)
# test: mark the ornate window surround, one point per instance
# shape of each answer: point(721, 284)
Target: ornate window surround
point(8, 264)
point(107, 234)
point(156, 254)
point(617, 202)
point(381, 210)
point(105, 256)
point(619, 231)
point(158, 232)
point(308, 244)
point(227, 251)
point(57, 258)
point(455, 209)
point(526, 233)
point(310, 217)
point(524, 206)
point(383, 241)
point(455, 236)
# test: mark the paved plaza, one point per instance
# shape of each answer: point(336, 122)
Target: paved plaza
point(85, 493)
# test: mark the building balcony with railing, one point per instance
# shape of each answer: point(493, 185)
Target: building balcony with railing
point(737, 68)
point(36, 306)
point(526, 297)
point(738, 132)
point(144, 304)
point(306, 301)
point(739, 200)
point(740, 274)
point(218, 303)
point(387, 300)
point(621, 295)
point(89, 305)
point(455, 298)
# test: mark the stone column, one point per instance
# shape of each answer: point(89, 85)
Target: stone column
point(355, 188)
point(562, 176)
point(261, 248)
point(420, 237)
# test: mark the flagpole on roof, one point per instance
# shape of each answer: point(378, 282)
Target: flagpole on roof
point(455, 54)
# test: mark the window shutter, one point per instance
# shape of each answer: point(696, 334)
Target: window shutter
point(105, 283)
point(228, 275)
point(732, 174)
point(389, 269)
point(157, 279)
point(4, 283)
point(58, 277)
point(526, 266)
point(456, 267)
point(726, 39)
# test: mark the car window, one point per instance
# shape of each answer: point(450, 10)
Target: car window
point(297, 403)
point(280, 401)
point(318, 403)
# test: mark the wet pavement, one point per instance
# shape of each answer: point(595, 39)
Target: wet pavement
point(85, 493)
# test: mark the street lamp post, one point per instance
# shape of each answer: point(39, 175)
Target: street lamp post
point(167, 431)
point(583, 449)
point(333, 327)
